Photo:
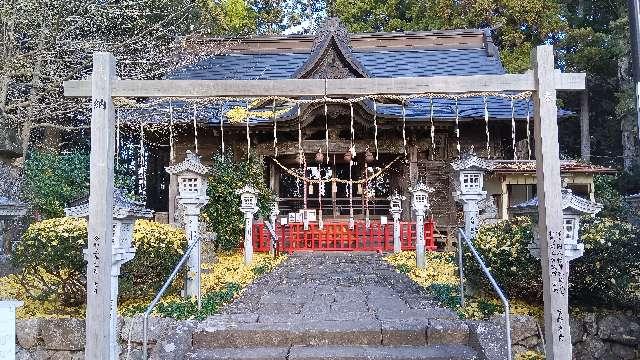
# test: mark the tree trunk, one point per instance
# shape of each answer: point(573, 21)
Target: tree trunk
point(27, 124)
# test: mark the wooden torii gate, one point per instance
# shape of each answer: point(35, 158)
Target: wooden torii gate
point(544, 81)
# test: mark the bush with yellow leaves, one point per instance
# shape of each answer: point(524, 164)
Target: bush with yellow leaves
point(52, 267)
point(529, 355)
point(222, 282)
point(441, 279)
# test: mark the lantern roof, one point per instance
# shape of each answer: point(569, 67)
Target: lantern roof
point(396, 196)
point(422, 187)
point(247, 189)
point(12, 208)
point(470, 161)
point(122, 207)
point(191, 163)
point(569, 201)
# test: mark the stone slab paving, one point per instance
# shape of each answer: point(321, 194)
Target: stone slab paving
point(335, 286)
point(333, 306)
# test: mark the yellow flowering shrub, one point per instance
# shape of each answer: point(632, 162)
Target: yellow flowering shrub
point(221, 282)
point(442, 280)
point(52, 267)
point(529, 355)
point(441, 268)
point(230, 268)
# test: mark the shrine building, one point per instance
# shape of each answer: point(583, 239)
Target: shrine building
point(387, 144)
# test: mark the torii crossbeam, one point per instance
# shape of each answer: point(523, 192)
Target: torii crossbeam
point(544, 81)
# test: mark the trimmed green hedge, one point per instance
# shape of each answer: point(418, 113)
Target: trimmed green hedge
point(607, 275)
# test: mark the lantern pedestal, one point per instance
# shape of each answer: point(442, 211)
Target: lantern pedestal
point(421, 260)
point(471, 211)
point(273, 217)
point(420, 205)
point(248, 238)
point(192, 209)
point(397, 245)
point(192, 196)
point(248, 206)
point(395, 208)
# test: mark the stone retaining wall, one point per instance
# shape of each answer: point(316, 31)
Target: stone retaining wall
point(64, 339)
point(595, 337)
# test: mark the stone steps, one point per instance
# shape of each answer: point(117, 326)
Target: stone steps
point(365, 352)
point(220, 334)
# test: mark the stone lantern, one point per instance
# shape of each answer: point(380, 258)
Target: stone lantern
point(125, 214)
point(572, 208)
point(469, 183)
point(395, 208)
point(273, 215)
point(248, 206)
point(9, 209)
point(192, 196)
point(420, 205)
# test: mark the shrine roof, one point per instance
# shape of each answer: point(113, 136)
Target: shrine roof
point(529, 166)
point(334, 53)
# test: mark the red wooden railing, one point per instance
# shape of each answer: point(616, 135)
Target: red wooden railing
point(336, 236)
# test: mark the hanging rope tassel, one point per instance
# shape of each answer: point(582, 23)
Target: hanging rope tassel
point(375, 126)
point(248, 138)
point(221, 128)
point(300, 149)
point(528, 129)
point(404, 127)
point(143, 168)
point(352, 148)
point(301, 157)
point(457, 127)
point(486, 123)
point(172, 155)
point(326, 130)
point(195, 129)
point(433, 129)
point(275, 129)
point(350, 188)
point(513, 130)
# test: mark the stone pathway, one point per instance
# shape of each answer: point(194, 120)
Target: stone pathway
point(335, 286)
point(333, 306)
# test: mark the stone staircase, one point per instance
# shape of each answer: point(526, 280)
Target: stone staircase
point(415, 337)
point(340, 306)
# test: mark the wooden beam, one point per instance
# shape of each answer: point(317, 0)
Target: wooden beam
point(100, 228)
point(555, 266)
point(334, 87)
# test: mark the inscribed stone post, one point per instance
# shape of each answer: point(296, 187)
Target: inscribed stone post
point(554, 264)
point(100, 227)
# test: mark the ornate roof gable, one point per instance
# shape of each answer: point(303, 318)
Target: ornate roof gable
point(191, 163)
point(331, 56)
point(122, 207)
point(569, 201)
point(470, 161)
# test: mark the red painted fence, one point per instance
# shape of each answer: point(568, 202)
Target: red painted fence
point(336, 236)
